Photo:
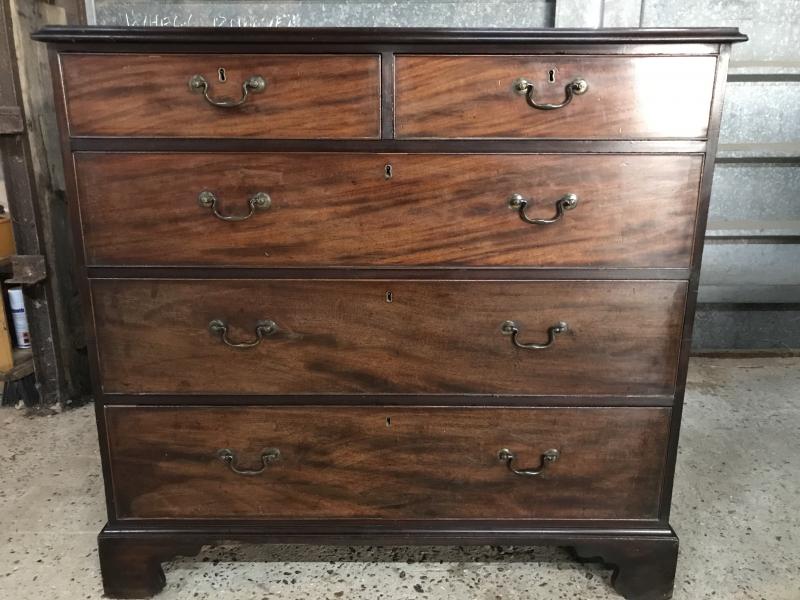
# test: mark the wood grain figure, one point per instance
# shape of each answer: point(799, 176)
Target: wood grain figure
point(388, 337)
point(387, 462)
point(148, 95)
point(340, 210)
point(634, 97)
point(317, 312)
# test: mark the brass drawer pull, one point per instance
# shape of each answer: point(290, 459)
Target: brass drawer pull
point(566, 202)
point(259, 201)
point(255, 83)
point(510, 328)
point(263, 329)
point(550, 456)
point(268, 456)
point(576, 87)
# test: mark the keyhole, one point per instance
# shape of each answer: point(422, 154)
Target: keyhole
point(388, 421)
point(387, 172)
point(551, 76)
point(389, 297)
point(222, 75)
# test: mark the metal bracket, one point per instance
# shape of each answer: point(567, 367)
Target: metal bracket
point(27, 269)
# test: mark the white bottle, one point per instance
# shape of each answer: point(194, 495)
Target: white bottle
point(20, 318)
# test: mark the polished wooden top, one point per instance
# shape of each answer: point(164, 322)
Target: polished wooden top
point(386, 35)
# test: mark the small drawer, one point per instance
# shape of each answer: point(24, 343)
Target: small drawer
point(386, 462)
point(268, 337)
point(342, 210)
point(567, 97)
point(222, 95)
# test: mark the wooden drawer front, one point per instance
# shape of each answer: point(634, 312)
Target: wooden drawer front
point(627, 97)
point(138, 95)
point(341, 210)
point(345, 337)
point(387, 462)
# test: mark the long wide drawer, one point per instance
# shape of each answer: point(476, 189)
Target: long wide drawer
point(365, 210)
point(386, 463)
point(222, 95)
point(614, 97)
point(379, 337)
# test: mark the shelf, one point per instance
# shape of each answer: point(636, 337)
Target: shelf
point(23, 365)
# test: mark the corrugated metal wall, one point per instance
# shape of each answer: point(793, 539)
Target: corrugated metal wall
point(750, 284)
point(321, 13)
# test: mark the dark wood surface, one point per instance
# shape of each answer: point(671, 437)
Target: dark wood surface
point(386, 462)
point(130, 557)
point(344, 337)
point(332, 209)
point(412, 146)
point(141, 95)
point(628, 97)
point(375, 273)
point(460, 400)
point(643, 568)
point(131, 567)
point(642, 551)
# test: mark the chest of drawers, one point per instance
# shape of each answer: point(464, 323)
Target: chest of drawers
point(379, 286)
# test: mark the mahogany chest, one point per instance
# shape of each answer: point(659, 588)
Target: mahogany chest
point(389, 286)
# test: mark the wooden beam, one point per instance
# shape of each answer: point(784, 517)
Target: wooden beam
point(10, 120)
point(74, 10)
point(31, 191)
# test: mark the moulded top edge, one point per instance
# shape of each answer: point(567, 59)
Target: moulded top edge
point(384, 35)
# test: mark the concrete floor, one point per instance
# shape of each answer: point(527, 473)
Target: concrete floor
point(736, 509)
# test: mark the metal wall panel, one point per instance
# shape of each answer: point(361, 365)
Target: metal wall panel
point(752, 255)
point(621, 13)
point(750, 273)
point(722, 327)
point(761, 111)
point(320, 13)
point(771, 24)
point(579, 13)
point(758, 191)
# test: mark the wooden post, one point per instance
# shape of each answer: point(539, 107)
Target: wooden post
point(34, 183)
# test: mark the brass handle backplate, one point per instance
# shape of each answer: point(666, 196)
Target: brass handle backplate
point(565, 203)
point(263, 329)
point(511, 328)
point(256, 83)
point(576, 87)
point(549, 457)
point(259, 201)
point(268, 456)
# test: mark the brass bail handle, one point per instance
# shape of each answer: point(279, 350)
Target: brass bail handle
point(263, 329)
point(563, 204)
point(258, 201)
point(268, 456)
point(548, 458)
point(576, 87)
point(256, 83)
point(511, 328)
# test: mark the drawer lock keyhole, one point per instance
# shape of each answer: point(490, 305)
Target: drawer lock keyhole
point(387, 172)
point(222, 75)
